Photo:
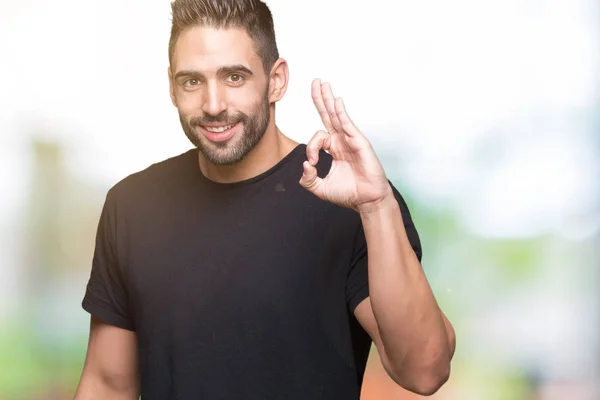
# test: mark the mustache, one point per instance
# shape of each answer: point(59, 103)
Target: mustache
point(222, 118)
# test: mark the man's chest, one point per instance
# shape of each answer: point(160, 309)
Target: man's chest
point(258, 267)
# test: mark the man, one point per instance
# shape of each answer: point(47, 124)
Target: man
point(253, 266)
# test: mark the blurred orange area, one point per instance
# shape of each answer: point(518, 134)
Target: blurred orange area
point(379, 386)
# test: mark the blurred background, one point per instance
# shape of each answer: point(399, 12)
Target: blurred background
point(486, 115)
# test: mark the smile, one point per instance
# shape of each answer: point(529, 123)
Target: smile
point(218, 129)
point(219, 133)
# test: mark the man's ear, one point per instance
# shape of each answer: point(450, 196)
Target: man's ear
point(172, 87)
point(278, 80)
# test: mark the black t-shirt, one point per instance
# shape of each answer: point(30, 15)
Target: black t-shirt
point(235, 291)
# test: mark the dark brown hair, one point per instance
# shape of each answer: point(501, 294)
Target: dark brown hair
point(252, 15)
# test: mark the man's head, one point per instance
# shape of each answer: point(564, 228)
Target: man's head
point(224, 71)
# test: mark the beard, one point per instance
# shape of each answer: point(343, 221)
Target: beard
point(226, 153)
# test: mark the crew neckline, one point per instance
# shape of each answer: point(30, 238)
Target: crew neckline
point(293, 154)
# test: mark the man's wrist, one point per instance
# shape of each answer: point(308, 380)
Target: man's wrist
point(384, 204)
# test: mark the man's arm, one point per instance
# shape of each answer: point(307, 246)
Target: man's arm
point(111, 365)
point(415, 340)
point(408, 323)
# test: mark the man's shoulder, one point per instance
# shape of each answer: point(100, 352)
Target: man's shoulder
point(153, 176)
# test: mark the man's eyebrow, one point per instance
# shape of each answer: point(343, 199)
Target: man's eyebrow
point(223, 70)
point(188, 74)
point(235, 68)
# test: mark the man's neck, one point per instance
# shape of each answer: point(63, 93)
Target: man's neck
point(271, 149)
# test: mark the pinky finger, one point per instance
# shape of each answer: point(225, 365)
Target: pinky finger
point(340, 109)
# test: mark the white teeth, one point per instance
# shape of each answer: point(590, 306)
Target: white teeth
point(218, 129)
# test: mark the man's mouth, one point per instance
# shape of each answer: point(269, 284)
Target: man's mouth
point(219, 133)
point(218, 129)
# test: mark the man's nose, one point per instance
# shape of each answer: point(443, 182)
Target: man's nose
point(215, 101)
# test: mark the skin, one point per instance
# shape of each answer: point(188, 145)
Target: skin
point(110, 370)
point(216, 76)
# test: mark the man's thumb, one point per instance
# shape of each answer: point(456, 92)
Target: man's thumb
point(310, 180)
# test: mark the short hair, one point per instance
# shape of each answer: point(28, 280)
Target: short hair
point(252, 15)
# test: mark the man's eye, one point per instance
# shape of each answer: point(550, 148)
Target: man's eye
point(192, 82)
point(235, 78)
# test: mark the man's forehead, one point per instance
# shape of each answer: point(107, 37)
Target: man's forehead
point(210, 49)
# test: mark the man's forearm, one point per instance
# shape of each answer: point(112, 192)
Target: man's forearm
point(417, 340)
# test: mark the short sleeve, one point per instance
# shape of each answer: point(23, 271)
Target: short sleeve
point(106, 295)
point(357, 284)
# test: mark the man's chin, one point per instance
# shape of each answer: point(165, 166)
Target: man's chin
point(221, 158)
point(221, 153)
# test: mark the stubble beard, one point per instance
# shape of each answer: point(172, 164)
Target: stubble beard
point(228, 152)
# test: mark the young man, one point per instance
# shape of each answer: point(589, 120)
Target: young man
point(252, 266)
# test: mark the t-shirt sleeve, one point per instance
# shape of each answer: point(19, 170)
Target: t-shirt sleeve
point(106, 295)
point(357, 285)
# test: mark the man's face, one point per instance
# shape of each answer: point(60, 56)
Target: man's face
point(221, 91)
